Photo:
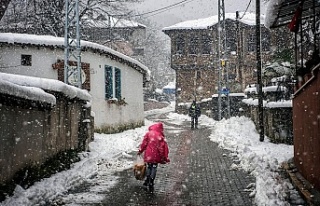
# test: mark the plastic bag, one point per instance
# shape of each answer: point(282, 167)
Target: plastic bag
point(139, 168)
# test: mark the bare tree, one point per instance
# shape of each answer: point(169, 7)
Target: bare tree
point(157, 54)
point(47, 17)
point(3, 6)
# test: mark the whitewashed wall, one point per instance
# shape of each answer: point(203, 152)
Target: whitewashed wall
point(106, 114)
point(42, 60)
point(131, 90)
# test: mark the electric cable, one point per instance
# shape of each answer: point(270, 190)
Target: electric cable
point(163, 9)
point(245, 10)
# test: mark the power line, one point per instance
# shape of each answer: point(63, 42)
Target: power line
point(245, 10)
point(163, 9)
point(169, 9)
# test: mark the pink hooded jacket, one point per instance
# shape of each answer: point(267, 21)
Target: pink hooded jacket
point(154, 145)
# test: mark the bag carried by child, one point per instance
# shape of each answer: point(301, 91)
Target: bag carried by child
point(139, 168)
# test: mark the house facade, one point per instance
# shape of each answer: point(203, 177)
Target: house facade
point(114, 80)
point(194, 55)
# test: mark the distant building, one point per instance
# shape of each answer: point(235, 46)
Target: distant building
point(169, 89)
point(194, 56)
point(125, 36)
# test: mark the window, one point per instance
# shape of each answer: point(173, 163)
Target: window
point(206, 46)
point(138, 51)
point(198, 74)
point(193, 47)
point(231, 42)
point(251, 43)
point(112, 82)
point(117, 74)
point(265, 41)
point(26, 60)
point(180, 45)
point(108, 82)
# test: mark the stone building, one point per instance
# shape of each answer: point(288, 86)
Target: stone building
point(194, 56)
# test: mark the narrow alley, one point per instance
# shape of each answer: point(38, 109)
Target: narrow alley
point(199, 174)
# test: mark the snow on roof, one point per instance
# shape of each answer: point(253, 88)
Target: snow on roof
point(170, 85)
point(204, 23)
point(272, 11)
point(46, 40)
point(115, 23)
point(281, 12)
point(33, 88)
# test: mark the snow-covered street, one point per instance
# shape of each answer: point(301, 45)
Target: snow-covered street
point(110, 153)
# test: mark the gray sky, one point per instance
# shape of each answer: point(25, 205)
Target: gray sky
point(195, 9)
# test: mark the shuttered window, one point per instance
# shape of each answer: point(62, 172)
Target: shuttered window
point(108, 82)
point(117, 76)
point(112, 82)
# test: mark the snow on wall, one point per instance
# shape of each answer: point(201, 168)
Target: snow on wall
point(32, 88)
point(131, 89)
point(30, 93)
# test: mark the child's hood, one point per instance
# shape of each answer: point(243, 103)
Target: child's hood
point(157, 127)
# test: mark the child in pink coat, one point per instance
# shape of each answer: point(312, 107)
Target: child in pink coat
point(155, 150)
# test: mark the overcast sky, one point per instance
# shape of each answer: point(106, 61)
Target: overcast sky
point(192, 9)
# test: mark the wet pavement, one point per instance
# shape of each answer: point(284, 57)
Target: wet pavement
point(199, 174)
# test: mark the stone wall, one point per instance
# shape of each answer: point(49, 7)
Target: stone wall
point(33, 132)
point(277, 122)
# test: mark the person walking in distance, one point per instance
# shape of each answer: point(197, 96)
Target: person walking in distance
point(194, 113)
point(155, 149)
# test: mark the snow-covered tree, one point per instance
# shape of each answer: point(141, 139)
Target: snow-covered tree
point(157, 55)
point(47, 17)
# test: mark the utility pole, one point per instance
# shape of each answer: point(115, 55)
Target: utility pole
point(222, 65)
point(110, 30)
point(72, 47)
point(239, 51)
point(258, 57)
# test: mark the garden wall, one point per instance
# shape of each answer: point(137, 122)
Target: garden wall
point(32, 132)
point(277, 122)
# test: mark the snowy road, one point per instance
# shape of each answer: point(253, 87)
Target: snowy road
point(101, 170)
